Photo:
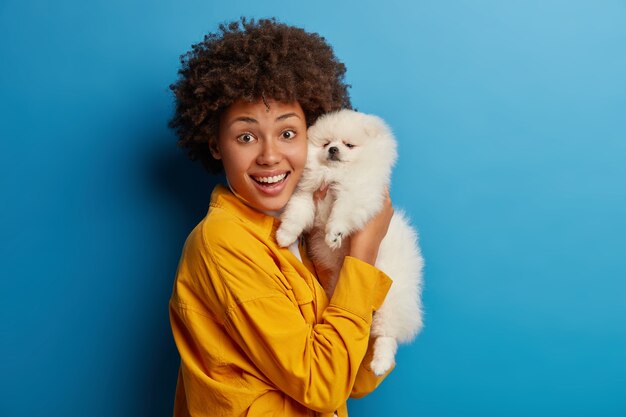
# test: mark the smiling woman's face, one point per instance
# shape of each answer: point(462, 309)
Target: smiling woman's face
point(263, 151)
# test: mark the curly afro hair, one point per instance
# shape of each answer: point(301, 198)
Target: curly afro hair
point(252, 60)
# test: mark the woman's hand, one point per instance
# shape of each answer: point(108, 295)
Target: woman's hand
point(320, 193)
point(364, 244)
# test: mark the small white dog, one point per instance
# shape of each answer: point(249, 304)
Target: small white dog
point(353, 154)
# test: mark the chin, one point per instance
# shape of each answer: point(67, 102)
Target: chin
point(354, 153)
point(272, 207)
point(266, 204)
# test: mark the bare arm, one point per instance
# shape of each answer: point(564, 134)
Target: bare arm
point(364, 244)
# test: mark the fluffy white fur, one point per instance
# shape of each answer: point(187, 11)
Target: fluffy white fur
point(353, 153)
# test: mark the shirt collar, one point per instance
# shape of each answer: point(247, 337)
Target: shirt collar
point(224, 198)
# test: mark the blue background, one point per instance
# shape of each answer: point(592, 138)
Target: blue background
point(511, 119)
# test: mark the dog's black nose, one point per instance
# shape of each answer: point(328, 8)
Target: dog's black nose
point(333, 150)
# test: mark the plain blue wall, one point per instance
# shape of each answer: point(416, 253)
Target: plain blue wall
point(511, 118)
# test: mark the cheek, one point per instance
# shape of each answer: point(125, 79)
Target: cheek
point(235, 160)
point(298, 156)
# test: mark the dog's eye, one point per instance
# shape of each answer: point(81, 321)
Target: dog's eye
point(326, 144)
point(349, 145)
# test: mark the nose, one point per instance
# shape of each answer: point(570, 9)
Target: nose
point(333, 150)
point(269, 153)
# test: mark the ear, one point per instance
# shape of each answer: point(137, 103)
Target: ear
point(373, 126)
point(214, 149)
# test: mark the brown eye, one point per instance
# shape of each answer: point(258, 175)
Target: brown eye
point(245, 138)
point(349, 145)
point(288, 134)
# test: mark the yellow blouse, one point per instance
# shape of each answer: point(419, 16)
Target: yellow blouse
point(255, 331)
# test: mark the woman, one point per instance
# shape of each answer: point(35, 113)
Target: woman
point(255, 331)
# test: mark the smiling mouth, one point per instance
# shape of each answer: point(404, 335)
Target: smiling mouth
point(276, 179)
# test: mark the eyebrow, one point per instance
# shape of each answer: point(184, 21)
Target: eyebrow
point(286, 116)
point(248, 119)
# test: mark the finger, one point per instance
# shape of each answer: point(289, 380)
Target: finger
point(320, 194)
point(317, 195)
point(387, 198)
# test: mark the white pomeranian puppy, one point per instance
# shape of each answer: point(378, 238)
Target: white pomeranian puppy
point(353, 153)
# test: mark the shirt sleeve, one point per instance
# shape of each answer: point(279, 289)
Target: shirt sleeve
point(366, 380)
point(315, 364)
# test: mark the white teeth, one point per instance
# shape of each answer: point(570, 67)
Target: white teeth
point(271, 180)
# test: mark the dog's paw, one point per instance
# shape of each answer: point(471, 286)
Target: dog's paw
point(285, 237)
point(334, 238)
point(381, 364)
point(384, 355)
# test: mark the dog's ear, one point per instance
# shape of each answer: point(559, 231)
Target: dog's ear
point(374, 126)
